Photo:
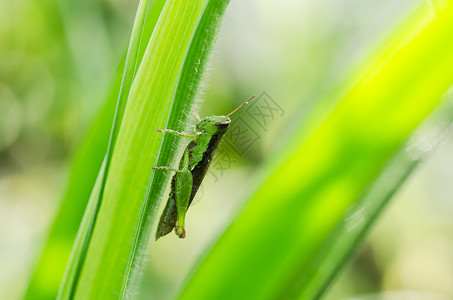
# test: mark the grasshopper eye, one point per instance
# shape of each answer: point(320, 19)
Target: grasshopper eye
point(222, 124)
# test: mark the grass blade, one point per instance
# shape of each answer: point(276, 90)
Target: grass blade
point(137, 145)
point(305, 196)
point(87, 161)
point(358, 220)
point(197, 57)
point(70, 280)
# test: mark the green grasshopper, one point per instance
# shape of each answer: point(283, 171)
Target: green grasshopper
point(193, 166)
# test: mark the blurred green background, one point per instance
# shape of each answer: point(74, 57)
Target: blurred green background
point(58, 57)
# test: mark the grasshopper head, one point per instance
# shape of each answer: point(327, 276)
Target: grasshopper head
point(217, 124)
point(214, 124)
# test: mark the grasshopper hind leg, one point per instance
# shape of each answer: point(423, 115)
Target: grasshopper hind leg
point(180, 232)
point(183, 190)
point(175, 210)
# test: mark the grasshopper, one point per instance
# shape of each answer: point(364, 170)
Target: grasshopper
point(193, 166)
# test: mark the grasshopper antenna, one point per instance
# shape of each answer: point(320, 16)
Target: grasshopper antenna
point(241, 105)
point(196, 113)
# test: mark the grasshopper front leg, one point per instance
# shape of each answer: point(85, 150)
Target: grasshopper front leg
point(182, 134)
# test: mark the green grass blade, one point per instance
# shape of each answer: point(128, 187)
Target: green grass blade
point(136, 149)
point(197, 57)
point(358, 220)
point(48, 274)
point(266, 253)
point(72, 272)
point(75, 265)
point(85, 166)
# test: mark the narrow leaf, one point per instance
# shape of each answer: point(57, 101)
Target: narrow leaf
point(267, 251)
point(136, 149)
